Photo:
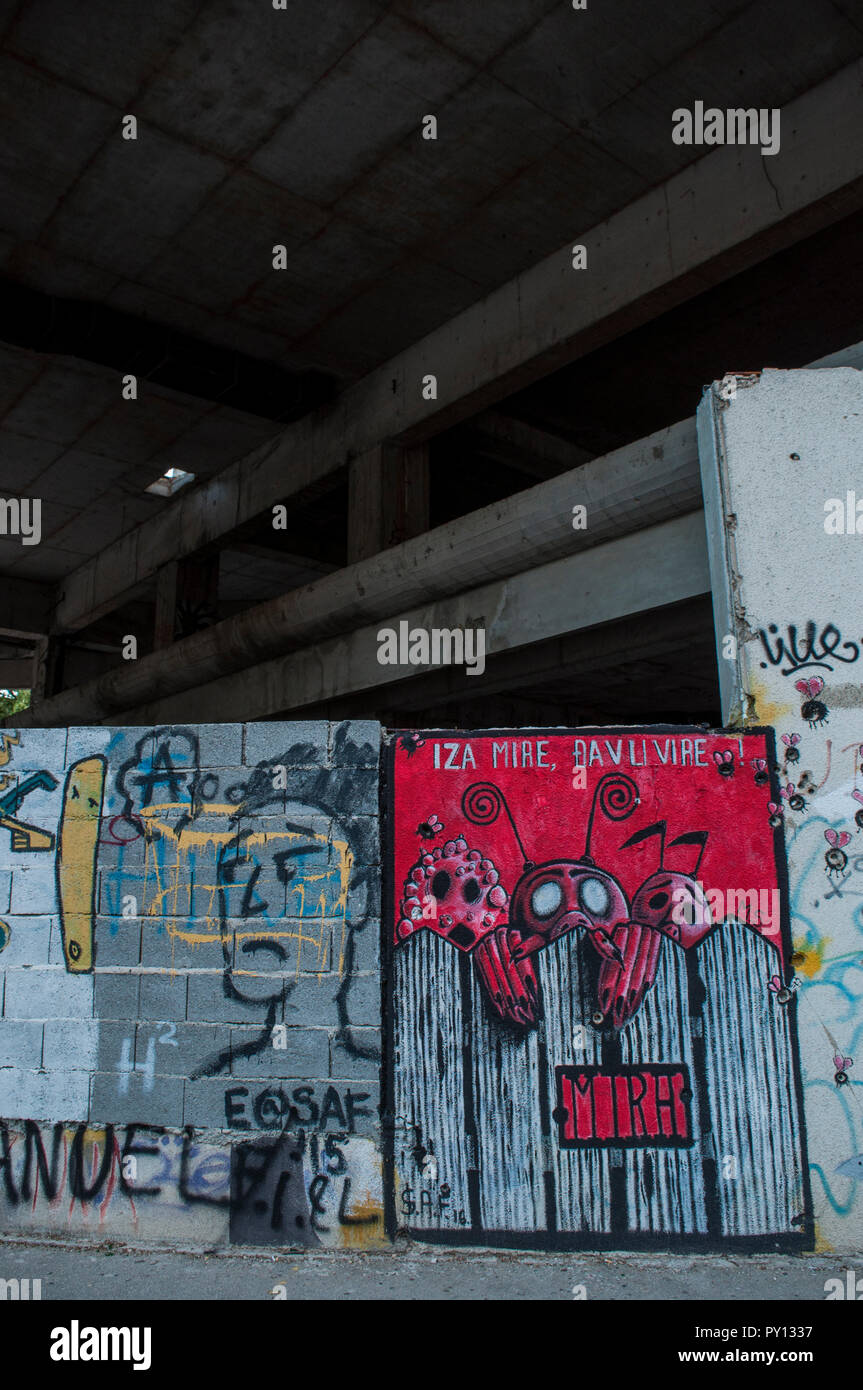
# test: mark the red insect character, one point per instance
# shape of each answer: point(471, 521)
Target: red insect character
point(814, 711)
point(782, 992)
point(431, 827)
point(411, 743)
point(790, 794)
point(836, 859)
point(455, 892)
point(792, 753)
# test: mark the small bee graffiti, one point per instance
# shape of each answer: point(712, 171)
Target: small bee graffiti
point(858, 815)
point(761, 773)
point(793, 797)
point(842, 1064)
point(782, 992)
point(431, 827)
point(836, 859)
point(409, 743)
point(724, 763)
point(774, 814)
point(792, 753)
point(814, 711)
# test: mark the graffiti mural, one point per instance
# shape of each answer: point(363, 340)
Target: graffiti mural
point(190, 1024)
point(590, 1046)
point(23, 837)
point(295, 1189)
point(77, 860)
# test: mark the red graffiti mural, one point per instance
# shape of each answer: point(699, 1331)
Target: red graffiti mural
point(594, 1007)
point(502, 865)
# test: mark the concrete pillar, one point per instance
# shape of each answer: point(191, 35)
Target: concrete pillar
point(47, 671)
point(187, 598)
point(780, 456)
point(388, 498)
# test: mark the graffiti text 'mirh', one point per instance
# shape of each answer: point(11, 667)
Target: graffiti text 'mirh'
point(644, 1106)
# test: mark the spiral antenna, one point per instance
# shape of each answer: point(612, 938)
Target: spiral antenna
point(482, 803)
point(617, 796)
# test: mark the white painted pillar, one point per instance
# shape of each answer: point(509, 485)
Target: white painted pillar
point(782, 468)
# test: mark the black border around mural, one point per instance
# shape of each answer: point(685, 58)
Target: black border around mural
point(709, 1242)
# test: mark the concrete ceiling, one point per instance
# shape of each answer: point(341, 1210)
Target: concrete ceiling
point(67, 437)
point(303, 127)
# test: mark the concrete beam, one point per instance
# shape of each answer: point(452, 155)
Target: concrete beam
point(845, 357)
point(643, 483)
point(721, 214)
point(649, 569)
point(617, 648)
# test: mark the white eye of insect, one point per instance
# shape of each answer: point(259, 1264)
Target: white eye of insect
point(546, 899)
point(593, 896)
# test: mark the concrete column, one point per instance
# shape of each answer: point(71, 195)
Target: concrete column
point(781, 457)
point(187, 598)
point(47, 670)
point(388, 498)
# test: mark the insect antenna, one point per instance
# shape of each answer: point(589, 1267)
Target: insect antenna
point(482, 803)
point(617, 796)
point(658, 828)
point(694, 837)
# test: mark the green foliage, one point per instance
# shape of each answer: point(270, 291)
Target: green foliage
point(12, 701)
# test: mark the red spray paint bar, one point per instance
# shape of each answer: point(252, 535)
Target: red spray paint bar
point(627, 1107)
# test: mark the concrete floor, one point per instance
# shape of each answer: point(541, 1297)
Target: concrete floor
point(412, 1273)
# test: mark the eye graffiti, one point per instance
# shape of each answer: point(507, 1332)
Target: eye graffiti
point(724, 763)
point(836, 859)
point(842, 1064)
point(814, 711)
point(455, 892)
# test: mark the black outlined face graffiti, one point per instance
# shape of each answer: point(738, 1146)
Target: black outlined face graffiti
point(260, 872)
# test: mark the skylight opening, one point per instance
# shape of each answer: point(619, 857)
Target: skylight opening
point(170, 482)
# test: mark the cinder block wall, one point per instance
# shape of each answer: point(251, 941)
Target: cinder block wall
point(190, 1030)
